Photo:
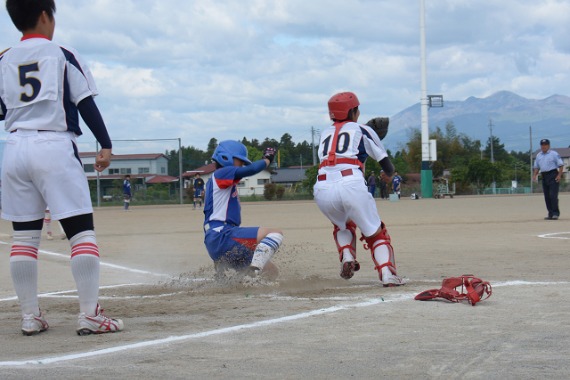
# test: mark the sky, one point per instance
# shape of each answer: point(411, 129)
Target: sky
point(228, 69)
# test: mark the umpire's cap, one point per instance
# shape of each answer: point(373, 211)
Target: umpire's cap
point(545, 142)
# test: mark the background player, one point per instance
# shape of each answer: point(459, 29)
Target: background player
point(397, 184)
point(42, 88)
point(228, 244)
point(127, 194)
point(341, 193)
point(198, 190)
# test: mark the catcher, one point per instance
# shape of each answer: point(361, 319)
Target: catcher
point(341, 193)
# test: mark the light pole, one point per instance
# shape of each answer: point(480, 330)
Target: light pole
point(426, 172)
point(492, 154)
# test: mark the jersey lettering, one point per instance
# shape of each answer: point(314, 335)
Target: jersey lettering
point(342, 144)
point(25, 80)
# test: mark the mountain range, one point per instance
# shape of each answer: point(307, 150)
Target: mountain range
point(510, 117)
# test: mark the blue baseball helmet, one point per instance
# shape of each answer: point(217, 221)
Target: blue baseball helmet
point(227, 150)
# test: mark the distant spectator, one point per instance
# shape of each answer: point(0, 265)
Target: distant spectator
point(371, 184)
point(383, 187)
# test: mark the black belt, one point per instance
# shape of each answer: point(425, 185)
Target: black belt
point(39, 130)
point(550, 171)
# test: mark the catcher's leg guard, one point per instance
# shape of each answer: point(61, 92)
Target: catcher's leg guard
point(383, 257)
point(349, 266)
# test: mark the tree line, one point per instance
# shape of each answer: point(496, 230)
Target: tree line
point(468, 161)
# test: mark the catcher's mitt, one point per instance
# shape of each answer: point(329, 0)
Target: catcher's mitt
point(380, 126)
point(475, 289)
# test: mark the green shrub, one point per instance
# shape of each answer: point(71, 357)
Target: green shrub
point(279, 191)
point(269, 191)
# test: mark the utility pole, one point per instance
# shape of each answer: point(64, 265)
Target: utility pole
point(530, 157)
point(492, 154)
point(313, 131)
point(491, 129)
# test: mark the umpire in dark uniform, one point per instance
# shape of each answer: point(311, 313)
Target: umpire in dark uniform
point(551, 167)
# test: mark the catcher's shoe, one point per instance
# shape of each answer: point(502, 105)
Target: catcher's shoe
point(98, 324)
point(348, 268)
point(32, 324)
point(393, 280)
point(49, 236)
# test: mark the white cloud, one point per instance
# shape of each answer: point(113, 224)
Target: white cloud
point(254, 68)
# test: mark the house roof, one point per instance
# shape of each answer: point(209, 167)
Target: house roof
point(161, 179)
point(288, 175)
point(206, 169)
point(141, 156)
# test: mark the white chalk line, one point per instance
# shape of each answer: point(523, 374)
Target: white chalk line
point(554, 235)
point(102, 263)
point(48, 294)
point(232, 329)
point(225, 330)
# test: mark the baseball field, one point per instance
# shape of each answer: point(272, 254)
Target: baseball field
point(310, 324)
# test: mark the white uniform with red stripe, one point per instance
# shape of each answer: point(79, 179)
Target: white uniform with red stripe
point(41, 84)
point(340, 191)
point(342, 195)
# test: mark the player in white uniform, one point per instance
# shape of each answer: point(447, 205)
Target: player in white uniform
point(341, 193)
point(43, 89)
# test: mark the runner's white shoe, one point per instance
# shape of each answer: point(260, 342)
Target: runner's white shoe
point(98, 324)
point(32, 324)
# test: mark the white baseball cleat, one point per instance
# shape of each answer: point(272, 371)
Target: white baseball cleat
point(98, 324)
point(393, 280)
point(49, 236)
point(32, 324)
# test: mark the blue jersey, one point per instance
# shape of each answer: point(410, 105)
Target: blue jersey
point(127, 187)
point(396, 182)
point(224, 239)
point(222, 201)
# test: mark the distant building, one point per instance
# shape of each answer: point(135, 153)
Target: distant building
point(144, 169)
point(289, 177)
point(137, 165)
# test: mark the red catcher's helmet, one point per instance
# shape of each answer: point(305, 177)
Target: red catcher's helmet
point(341, 103)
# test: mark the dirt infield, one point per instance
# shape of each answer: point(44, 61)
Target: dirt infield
point(179, 324)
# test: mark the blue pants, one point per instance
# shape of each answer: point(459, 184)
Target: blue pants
point(550, 189)
point(232, 245)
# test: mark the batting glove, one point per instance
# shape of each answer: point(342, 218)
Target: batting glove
point(269, 154)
